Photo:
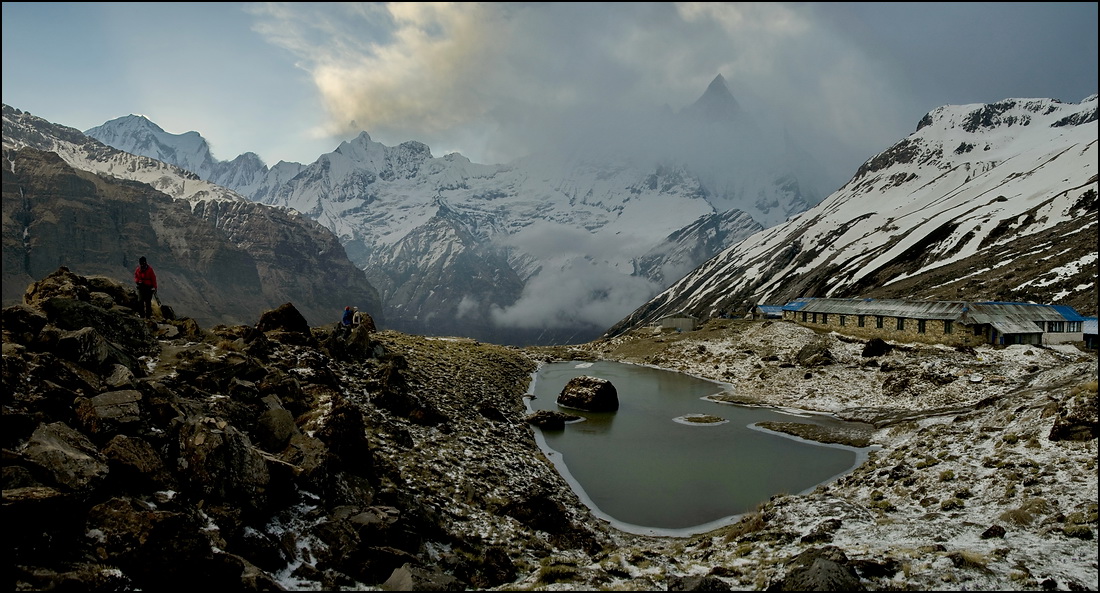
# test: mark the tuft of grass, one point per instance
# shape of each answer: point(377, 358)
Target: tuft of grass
point(952, 503)
point(927, 462)
point(750, 523)
point(227, 345)
point(1026, 512)
point(947, 476)
point(1077, 531)
point(556, 573)
point(969, 559)
point(1086, 388)
point(883, 505)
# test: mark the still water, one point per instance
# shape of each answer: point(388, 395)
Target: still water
point(645, 469)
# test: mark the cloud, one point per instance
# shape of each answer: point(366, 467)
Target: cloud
point(497, 81)
point(581, 292)
point(508, 78)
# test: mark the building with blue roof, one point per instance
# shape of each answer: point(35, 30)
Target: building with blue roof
point(768, 312)
point(957, 323)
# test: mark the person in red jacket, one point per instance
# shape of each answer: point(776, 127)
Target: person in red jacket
point(146, 280)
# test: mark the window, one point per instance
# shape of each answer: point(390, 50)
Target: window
point(878, 321)
point(1073, 326)
point(1056, 326)
point(814, 317)
point(861, 320)
point(824, 318)
point(803, 316)
point(901, 323)
point(978, 330)
point(843, 319)
point(947, 326)
point(920, 326)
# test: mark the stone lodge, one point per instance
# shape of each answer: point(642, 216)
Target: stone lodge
point(954, 323)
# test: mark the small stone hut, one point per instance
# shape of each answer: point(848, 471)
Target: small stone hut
point(679, 321)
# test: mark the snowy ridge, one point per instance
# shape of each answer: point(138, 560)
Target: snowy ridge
point(81, 152)
point(973, 180)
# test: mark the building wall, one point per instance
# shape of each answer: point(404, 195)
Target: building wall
point(961, 335)
point(1062, 337)
point(685, 324)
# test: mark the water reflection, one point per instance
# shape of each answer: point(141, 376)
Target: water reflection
point(648, 469)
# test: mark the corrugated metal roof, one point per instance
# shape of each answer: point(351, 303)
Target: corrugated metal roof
point(886, 307)
point(1068, 312)
point(1012, 326)
point(989, 312)
point(679, 315)
point(797, 304)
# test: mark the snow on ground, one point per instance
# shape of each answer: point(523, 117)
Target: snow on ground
point(964, 491)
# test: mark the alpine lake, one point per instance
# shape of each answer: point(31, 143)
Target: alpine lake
point(670, 461)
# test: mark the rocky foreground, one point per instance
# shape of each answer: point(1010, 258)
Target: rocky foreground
point(143, 455)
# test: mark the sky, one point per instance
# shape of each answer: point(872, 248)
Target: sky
point(498, 81)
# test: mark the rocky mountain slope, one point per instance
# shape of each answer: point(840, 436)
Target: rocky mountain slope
point(217, 255)
point(981, 202)
point(274, 455)
point(549, 248)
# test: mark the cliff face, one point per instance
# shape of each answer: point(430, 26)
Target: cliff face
point(221, 261)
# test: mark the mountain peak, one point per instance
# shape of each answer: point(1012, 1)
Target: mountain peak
point(132, 122)
point(717, 85)
point(716, 104)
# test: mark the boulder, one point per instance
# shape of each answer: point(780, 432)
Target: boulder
point(815, 354)
point(591, 394)
point(550, 420)
point(820, 569)
point(876, 347)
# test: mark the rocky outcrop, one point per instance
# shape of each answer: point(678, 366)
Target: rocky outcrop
point(591, 394)
point(820, 569)
point(140, 454)
point(1076, 419)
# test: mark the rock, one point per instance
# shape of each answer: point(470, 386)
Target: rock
point(703, 583)
point(411, 578)
point(815, 354)
point(283, 318)
point(69, 458)
point(591, 394)
point(819, 569)
point(876, 347)
point(1077, 418)
point(993, 531)
point(550, 420)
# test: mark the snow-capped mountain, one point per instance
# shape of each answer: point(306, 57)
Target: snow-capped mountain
point(245, 174)
point(981, 202)
point(70, 200)
point(543, 249)
point(85, 153)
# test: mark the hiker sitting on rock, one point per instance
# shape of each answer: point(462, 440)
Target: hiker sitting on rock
point(344, 328)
